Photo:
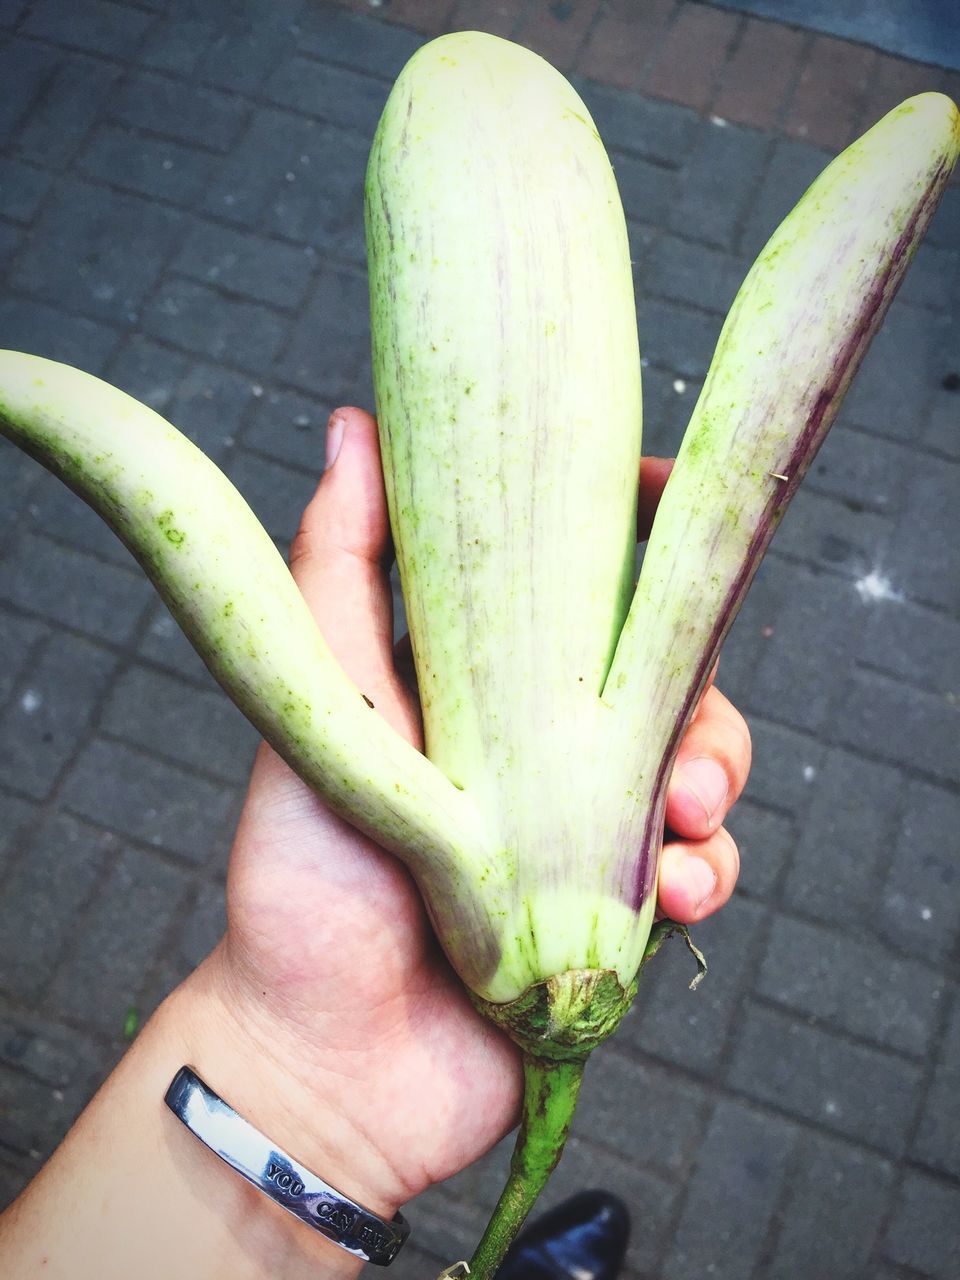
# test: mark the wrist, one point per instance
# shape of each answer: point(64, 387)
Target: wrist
point(280, 1083)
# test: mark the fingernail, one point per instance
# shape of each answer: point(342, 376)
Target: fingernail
point(701, 880)
point(334, 439)
point(707, 781)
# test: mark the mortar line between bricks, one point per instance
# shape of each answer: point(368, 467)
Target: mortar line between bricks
point(656, 47)
point(851, 576)
point(247, 98)
point(908, 768)
point(864, 934)
point(793, 1167)
point(910, 680)
point(153, 752)
point(782, 113)
point(733, 43)
point(908, 1164)
point(837, 1031)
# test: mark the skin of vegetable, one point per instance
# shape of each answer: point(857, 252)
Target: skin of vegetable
point(508, 393)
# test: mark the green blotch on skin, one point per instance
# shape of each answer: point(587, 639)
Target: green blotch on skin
point(174, 536)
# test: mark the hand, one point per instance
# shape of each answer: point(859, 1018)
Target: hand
point(330, 962)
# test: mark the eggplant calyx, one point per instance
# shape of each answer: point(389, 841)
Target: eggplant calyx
point(565, 1017)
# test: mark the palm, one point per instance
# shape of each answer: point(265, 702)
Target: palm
point(329, 947)
point(333, 930)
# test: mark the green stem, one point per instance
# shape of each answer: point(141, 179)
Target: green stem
point(549, 1098)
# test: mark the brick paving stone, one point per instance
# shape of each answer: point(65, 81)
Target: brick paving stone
point(932, 278)
point(690, 1028)
point(18, 475)
point(721, 177)
point(934, 1143)
point(97, 251)
point(901, 372)
point(862, 470)
point(290, 428)
point(556, 29)
point(922, 559)
point(679, 338)
point(785, 766)
point(165, 644)
point(147, 165)
point(59, 122)
point(378, 47)
point(913, 642)
point(70, 588)
point(818, 1076)
point(248, 44)
point(657, 131)
point(10, 240)
point(903, 724)
point(763, 63)
point(920, 904)
point(19, 638)
point(204, 926)
point(122, 932)
point(178, 41)
point(276, 492)
point(891, 81)
point(24, 69)
point(16, 815)
point(816, 615)
point(661, 1131)
point(623, 40)
point(41, 906)
point(825, 105)
point(12, 1182)
point(944, 229)
point(211, 405)
point(261, 269)
point(319, 204)
point(56, 511)
point(732, 1196)
point(498, 17)
point(925, 1230)
point(684, 271)
point(766, 841)
point(646, 189)
point(836, 1203)
point(941, 434)
point(853, 985)
point(22, 189)
point(344, 97)
point(42, 728)
point(27, 325)
point(100, 27)
point(192, 727)
point(844, 842)
point(186, 112)
point(198, 319)
point(833, 535)
point(329, 351)
point(429, 16)
point(687, 64)
point(152, 801)
point(792, 168)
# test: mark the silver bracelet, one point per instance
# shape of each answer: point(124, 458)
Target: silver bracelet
point(282, 1178)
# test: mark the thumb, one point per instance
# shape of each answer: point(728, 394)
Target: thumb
point(340, 561)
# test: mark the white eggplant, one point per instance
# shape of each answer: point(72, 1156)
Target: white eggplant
point(508, 394)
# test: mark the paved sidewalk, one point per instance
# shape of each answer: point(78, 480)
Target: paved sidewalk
point(180, 212)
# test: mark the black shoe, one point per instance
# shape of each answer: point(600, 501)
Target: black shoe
point(585, 1238)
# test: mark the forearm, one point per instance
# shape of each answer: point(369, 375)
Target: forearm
point(132, 1192)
